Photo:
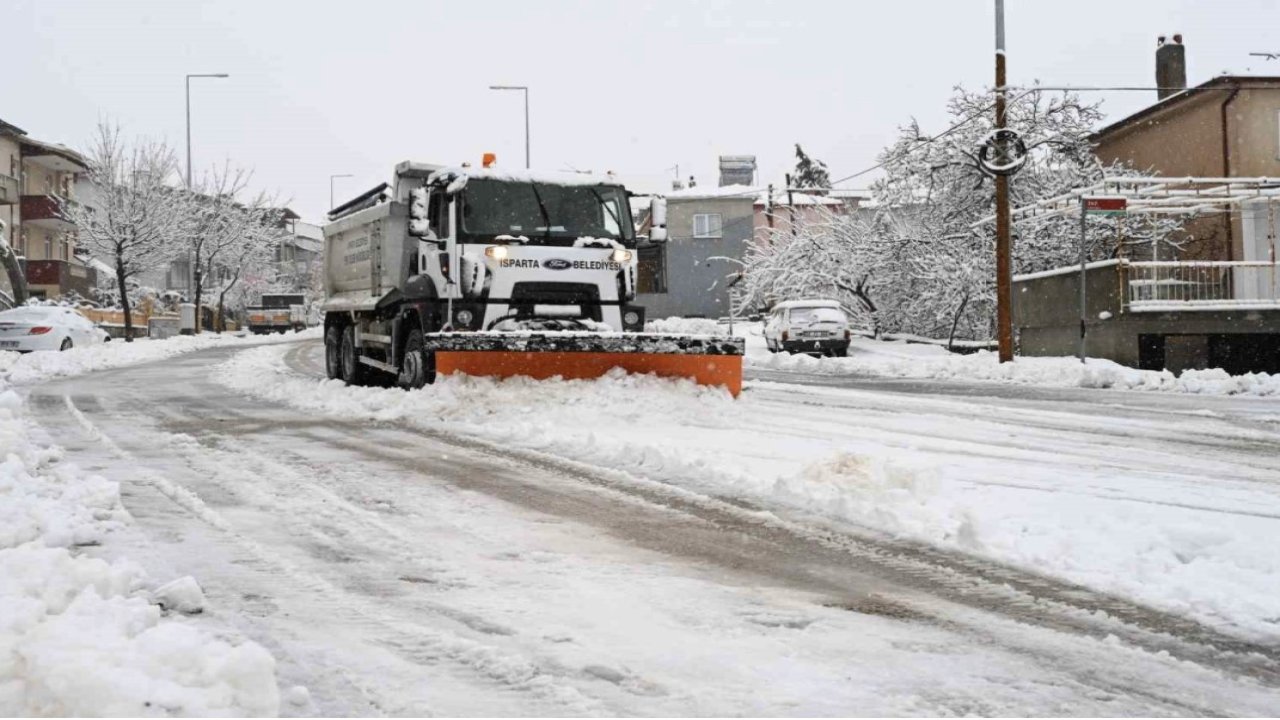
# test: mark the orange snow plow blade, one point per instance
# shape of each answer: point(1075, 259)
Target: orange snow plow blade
point(706, 360)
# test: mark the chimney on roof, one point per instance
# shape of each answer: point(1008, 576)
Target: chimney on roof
point(1171, 66)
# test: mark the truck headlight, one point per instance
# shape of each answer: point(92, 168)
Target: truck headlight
point(464, 317)
point(497, 252)
point(622, 256)
point(631, 318)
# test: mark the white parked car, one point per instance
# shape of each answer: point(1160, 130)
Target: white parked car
point(815, 327)
point(33, 327)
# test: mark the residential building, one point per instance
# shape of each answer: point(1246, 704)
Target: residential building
point(782, 211)
point(39, 176)
point(1228, 126)
point(299, 254)
point(708, 231)
point(1215, 302)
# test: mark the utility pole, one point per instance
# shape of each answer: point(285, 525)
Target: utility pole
point(1004, 314)
point(196, 264)
point(791, 206)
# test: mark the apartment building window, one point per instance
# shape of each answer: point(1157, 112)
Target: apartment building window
point(651, 269)
point(706, 225)
point(48, 248)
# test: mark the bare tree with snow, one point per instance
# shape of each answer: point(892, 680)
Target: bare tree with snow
point(922, 262)
point(216, 222)
point(252, 232)
point(139, 220)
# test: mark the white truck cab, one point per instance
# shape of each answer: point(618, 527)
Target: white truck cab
point(815, 327)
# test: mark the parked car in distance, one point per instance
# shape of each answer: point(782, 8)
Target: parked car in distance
point(814, 327)
point(30, 328)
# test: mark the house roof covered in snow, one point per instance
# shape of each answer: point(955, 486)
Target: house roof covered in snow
point(1204, 89)
point(708, 192)
point(757, 195)
point(70, 159)
point(10, 129)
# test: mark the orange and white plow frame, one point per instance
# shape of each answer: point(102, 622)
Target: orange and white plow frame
point(705, 359)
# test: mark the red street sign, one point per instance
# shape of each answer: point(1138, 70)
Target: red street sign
point(1105, 205)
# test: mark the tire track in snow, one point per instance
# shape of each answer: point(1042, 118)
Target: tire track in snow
point(936, 573)
point(413, 642)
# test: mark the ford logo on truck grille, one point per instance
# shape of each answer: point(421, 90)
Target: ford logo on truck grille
point(556, 264)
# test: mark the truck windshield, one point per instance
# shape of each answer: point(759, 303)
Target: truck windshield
point(502, 207)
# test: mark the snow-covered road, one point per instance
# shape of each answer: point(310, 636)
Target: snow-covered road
point(397, 569)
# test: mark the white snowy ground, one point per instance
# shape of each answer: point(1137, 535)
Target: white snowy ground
point(1110, 503)
point(879, 358)
point(20, 368)
point(81, 635)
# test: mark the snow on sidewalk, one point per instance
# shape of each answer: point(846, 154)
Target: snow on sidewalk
point(1150, 524)
point(80, 635)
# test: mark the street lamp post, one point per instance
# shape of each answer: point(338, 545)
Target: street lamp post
point(197, 75)
point(525, 90)
point(331, 179)
point(196, 268)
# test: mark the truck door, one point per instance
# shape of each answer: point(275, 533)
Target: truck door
point(440, 254)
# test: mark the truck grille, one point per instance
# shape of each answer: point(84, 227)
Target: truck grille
point(527, 294)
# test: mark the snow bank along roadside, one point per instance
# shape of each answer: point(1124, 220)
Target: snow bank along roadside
point(1105, 527)
point(81, 635)
point(900, 359)
point(872, 357)
point(18, 368)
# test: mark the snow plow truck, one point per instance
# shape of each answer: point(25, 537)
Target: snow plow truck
point(498, 273)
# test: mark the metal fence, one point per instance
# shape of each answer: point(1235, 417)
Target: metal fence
point(1191, 285)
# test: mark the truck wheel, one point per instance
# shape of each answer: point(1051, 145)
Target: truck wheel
point(418, 366)
point(353, 373)
point(333, 353)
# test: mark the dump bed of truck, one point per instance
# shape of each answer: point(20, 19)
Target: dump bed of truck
point(367, 254)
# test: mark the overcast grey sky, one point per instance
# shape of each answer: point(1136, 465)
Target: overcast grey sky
point(321, 87)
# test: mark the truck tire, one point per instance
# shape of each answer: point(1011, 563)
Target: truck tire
point(353, 372)
point(417, 368)
point(333, 352)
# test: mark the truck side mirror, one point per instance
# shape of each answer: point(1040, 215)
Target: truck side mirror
point(419, 220)
point(658, 220)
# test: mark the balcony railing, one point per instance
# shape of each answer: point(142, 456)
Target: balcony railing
point(1154, 286)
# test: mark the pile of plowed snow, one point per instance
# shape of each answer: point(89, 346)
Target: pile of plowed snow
point(83, 635)
point(869, 358)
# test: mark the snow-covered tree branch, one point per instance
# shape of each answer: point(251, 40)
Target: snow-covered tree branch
point(138, 221)
point(921, 262)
